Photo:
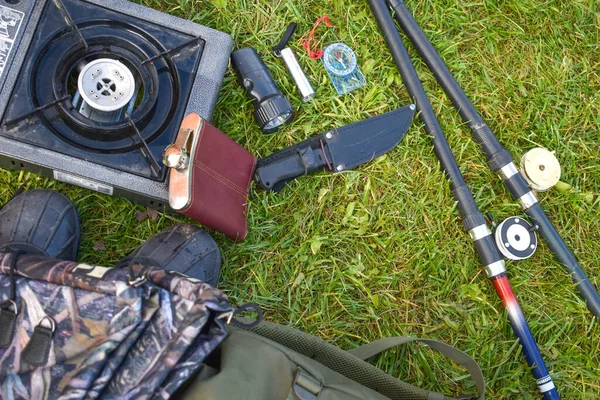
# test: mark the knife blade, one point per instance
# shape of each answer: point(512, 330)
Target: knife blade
point(336, 150)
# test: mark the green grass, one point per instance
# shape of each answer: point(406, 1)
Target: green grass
point(380, 251)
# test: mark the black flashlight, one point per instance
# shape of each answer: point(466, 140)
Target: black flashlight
point(271, 108)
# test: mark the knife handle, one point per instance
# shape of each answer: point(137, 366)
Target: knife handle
point(305, 161)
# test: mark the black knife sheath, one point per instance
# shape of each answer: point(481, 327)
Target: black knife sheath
point(336, 150)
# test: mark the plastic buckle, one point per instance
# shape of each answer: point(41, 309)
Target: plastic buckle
point(305, 386)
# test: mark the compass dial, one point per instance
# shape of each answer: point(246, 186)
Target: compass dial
point(339, 59)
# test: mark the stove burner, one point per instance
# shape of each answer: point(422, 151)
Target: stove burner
point(108, 45)
point(105, 85)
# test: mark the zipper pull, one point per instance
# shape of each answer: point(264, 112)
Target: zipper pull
point(8, 320)
point(38, 349)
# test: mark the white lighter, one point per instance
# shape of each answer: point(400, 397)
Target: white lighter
point(306, 90)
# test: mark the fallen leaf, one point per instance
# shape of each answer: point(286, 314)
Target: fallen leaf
point(298, 280)
point(141, 215)
point(349, 210)
point(219, 3)
point(322, 194)
point(375, 300)
point(451, 323)
point(563, 187)
point(152, 214)
point(315, 246)
point(99, 246)
point(369, 65)
point(588, 198)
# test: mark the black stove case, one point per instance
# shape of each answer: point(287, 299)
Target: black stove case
point(182, 65)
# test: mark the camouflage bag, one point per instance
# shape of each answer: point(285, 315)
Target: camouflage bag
point(75, 331)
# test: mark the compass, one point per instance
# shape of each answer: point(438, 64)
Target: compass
point(339, 59)
point(341, 66)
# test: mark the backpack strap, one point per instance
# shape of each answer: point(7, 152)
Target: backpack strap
point(354, 367)
point(372, 349)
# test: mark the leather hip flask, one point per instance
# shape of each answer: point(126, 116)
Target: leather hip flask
point(210, 177)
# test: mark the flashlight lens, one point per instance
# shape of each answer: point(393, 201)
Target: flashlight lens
point(278, 121)
point(272, 113)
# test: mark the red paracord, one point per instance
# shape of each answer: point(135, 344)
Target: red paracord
point(312, 50)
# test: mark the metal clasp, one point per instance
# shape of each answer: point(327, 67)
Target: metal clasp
point(179, 157)
point(50, 321)
point(6, 305)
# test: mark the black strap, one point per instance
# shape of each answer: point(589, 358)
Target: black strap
point(285, 39)
point(349, 363)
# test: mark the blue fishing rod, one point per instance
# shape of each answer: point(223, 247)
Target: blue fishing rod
point(473, 220)
point(499, 159)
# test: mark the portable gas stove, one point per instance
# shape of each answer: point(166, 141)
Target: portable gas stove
point(92, 91)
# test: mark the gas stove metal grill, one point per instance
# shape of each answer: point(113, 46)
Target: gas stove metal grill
point(92, 91)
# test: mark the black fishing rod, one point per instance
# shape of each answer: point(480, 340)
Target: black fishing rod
point(473, 220)
point(499, 159)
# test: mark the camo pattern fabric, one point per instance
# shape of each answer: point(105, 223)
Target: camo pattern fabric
point(112, 340)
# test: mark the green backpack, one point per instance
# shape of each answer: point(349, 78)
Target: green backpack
point(271, 361)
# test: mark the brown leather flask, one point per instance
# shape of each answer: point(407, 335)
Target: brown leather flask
point(210, 177)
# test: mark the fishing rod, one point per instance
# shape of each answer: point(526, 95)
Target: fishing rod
point(499, 159)
point(473, 220)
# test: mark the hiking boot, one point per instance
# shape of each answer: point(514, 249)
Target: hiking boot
point(183, 248)
point(40, 222)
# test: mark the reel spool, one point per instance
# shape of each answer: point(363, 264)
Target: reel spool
point(541, 169)
point(516, 238)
